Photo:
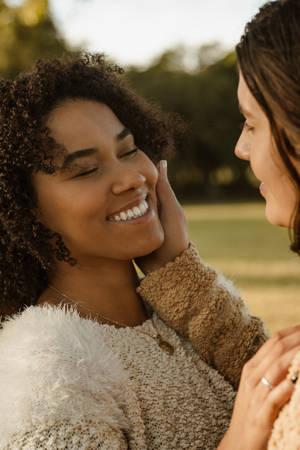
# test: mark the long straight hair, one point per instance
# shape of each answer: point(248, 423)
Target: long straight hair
point(269, 59)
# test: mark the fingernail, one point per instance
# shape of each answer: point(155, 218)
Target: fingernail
point(163, 164)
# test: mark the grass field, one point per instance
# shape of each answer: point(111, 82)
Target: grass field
point(238, 240)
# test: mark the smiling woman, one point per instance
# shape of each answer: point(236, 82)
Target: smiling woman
point(104, 177)
point(63, 107)
point(87, 362)
point(257, 145)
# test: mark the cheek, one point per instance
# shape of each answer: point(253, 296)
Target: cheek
point(261, 158)
point(62, 210)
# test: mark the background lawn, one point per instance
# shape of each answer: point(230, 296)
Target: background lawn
point(238, 240)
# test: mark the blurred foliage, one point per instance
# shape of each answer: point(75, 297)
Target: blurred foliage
point(27, 32)
point(204, 167)
point(199, 84)
point(238, 240)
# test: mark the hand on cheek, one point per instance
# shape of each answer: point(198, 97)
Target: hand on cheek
point(173, 222)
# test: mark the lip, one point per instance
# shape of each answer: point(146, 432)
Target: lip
point(130, 205)
point(262, 188)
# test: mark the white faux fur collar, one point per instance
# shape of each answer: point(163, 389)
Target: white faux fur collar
point(54, 365)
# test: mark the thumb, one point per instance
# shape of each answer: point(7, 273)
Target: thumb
point(168, 203)
point(163, 187)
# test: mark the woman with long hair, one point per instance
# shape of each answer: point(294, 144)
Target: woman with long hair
point(85, 361)
point(269, 97)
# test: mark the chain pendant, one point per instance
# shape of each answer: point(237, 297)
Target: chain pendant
point(164, 345)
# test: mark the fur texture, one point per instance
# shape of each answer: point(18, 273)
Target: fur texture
point(49, 369)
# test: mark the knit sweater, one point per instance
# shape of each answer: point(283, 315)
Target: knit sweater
point(69, 382)
point(286, 430)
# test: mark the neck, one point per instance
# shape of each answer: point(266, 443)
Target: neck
point(106, 290)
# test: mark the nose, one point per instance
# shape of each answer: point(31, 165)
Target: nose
point(242, 150)
point(127, 180)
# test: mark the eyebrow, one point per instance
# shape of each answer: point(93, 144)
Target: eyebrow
point(90, 151)
point(125, 132)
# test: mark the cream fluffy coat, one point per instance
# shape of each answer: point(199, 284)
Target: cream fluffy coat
point(28, 361)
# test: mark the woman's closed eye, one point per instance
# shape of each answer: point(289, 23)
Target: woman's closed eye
point(87, 172)
point(130, 153)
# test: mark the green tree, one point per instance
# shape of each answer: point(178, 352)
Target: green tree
point(205, 166)
point(27, 32)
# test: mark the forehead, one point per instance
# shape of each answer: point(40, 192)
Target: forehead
point(248, 104)
point(77, 123)
point(243, 92)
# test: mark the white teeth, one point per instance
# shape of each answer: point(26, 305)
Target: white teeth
point(142, 208)
point(130, 213)
point(136, 211)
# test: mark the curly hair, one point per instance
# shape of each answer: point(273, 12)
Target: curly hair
point(269, 59)
point(26, 147)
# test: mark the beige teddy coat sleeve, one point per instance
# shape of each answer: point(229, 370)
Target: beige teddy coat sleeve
point(200, 304)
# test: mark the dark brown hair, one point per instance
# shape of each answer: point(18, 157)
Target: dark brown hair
point(26, 147)
point(269, 59)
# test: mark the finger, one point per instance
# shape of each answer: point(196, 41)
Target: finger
point(164, 190)
point(277, 398)
point(277, 371)
point(161, 189)
point(286, 334)
point(169, 208)
point(163, 167)
point(281, 342)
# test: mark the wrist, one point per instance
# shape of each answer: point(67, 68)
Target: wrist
point(230, 443)
point(162, 259)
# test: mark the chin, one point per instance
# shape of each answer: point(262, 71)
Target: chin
point(276, 217)
point(149, 246)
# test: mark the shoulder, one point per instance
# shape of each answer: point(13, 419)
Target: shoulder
point(55, 365)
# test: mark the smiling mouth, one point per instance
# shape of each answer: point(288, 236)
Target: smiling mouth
point(132, 213)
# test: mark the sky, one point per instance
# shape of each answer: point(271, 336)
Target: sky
point(134, 32)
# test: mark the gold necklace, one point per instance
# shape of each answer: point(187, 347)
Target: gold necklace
point(164, 345)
